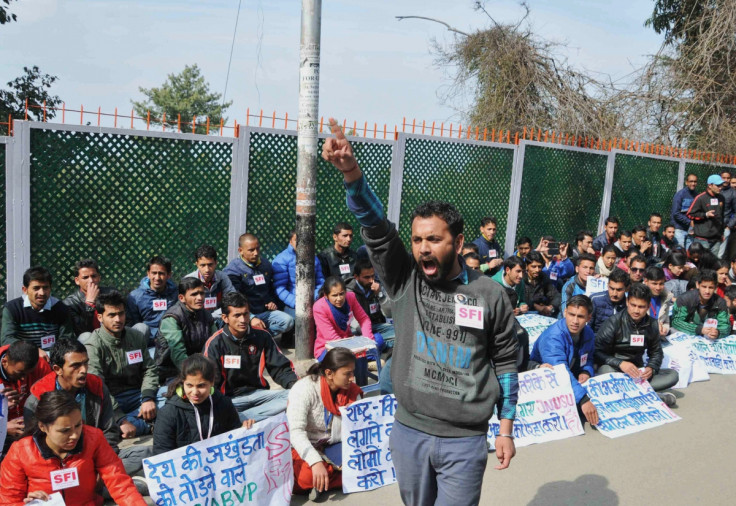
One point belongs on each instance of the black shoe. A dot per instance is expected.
(317, 496)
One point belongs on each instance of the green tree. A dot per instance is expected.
(33, 86)
(5, 16)
(186, 94)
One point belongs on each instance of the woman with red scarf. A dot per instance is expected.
(315, 423)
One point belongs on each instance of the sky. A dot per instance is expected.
(374, 68)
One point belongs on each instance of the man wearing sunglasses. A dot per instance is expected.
(637, 267)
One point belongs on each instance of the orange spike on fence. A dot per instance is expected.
(524, 134)
(516, 138)
(485, 133)
(44, 111)
(208, 125)
(286, 121)
(26, 117)
(396, 133)
(63, 113)
(321, 122)
(222, 125)
(442, 129)
(99, 115)
(384, 130)
(413, 125)
(148, 120)
(403, 125)
(355, 128)
(508, 136)
(432, 129)
(375, 129)
(424, 124)
(477, 133)
(546, 133)
(493, 135)
(365, 128)
(131, 119)
(450, 129)
(116, 117)
(178, 122)
(163, 123)
(460, 131)
(260, 119)
(273, 120)
(344, 123)
(247, 116)
(468, 131)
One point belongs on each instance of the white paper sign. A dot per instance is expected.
(625, 405)
(596, 285)
(210, 302)
(344, 268)
(134, 356)
(239, 467)
(47, 342)
(259, 279)
(468, 316)
(64, 478)
(55, 499)
(160, 305)
(534, 324)
(373, 307)
(683, 359)
(366, 456)
(719, 356)
(546, 409)
(231, 361)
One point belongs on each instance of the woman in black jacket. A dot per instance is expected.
(195, 411)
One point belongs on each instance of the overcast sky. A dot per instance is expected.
(374, 68)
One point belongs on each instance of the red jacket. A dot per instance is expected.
(23, 386)
(29, 462)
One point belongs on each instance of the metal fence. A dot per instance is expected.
(120, 195)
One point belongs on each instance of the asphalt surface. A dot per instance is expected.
(687, 462)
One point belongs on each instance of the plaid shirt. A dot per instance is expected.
(368, 210)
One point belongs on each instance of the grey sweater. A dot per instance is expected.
(444, 375)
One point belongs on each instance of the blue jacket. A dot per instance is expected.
(284, 276)
(140, 304)
(243, 275)
(601, 242)
(561, 270)
(555, 347)
(570, 289)
(485, 251)
(680, 205)
(603, 309)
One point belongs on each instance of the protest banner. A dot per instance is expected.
(534, 324)
(625, 405)
(546, 409)
(719, 356)
(366, 456)
(241, 466)
(596, 285)
(682, 358)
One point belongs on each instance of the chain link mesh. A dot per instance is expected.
(703, 170)
(561, 192)
(3, 237)
(642, 185)
(272, 183)
(121, 199)
(474, 178)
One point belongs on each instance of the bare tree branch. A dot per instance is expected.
(450, 28)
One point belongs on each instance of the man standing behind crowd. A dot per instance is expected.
(678, 215)
(252, 276)
(216, 283)
(653, 235)
(339, 260)
(36, 316)
(81, 303)
(489, 250)
(438, 440)
(608, 236)
(707, 214)
(148, 303)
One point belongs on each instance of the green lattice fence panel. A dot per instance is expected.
(272, 183)
(642, 185)
(475, 178)
(3, 238)
(121, 199)
(561, 192)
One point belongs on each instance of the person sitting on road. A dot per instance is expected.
(557, 266)
(576, 285)
(571, 342)
(612, 301)
(623, 338)
(523, 247)
(511, 278)
(369, 294)
(315, 421)
(284, 276)
(59, 444)
(607, 261)
(339, 259)
(541, 293)
(701, 311)
(583, 244)
(609, 235)
(81, 303)
(216, 283)
(147, 304)
(624, 243)
(662, 300)
(195, 410)
(472, 261)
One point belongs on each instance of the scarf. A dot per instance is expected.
(602, 269)
(340, 314)
(344, 397)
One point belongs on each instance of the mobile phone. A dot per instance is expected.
(553, 248)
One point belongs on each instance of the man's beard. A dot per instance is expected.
(442, 267)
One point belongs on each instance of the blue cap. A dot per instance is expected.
(715, 179)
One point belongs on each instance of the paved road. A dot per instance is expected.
(690, 462)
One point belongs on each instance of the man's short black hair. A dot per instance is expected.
(640, 291)
(488, 219)
(638, 258)
(36, 273)
(654, 273)
(607, 248)
(85, 263)
(708, 275)
(624, 233)
(638, 228)
(339, 227)
(619, 276)
(534, 256)
(233, 299)
(361, 264)
(187, 284)
(730, 292)
(112, 298)
(472, 255)
(471, 246)
(61, 347)
(669, 225)
(159, 260)
(444, 211)
(512, 262)
(205, 251)
(655, 215)
(582, 235)
(524, 240)
(581, 301)
(612, 219)
(24, 352)
(585, 256)
(696, 249)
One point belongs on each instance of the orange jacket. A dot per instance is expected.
(29, 462)
(23, 385)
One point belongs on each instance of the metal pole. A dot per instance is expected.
(306, 174)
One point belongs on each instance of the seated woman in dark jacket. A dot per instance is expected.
(195, 411)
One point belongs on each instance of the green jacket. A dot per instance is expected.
(517, 294)
(685, 316)
(108, 358)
